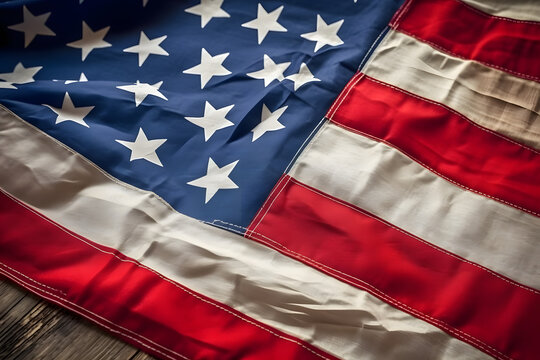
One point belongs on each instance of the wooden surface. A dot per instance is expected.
(31, 329)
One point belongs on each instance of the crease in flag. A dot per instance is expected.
(231, 179)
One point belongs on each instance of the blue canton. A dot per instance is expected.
(204, 103)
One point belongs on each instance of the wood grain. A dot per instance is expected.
(31, 328)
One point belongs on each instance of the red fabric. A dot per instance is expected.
(443, 141)
(497, 315)
(169, 321)
(506, 44)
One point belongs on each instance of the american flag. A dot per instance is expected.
(231, 179)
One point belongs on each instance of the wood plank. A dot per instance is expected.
(141, 356)
(22, 303)
(31, 328)
(9, 296)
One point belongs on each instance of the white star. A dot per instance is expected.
(142, 148)
(20, 74)
(147, 47)
(6, 85)
(265, 22)
(269, 122)
(270, 72)
(142, 90)
(207, 10)
(325, 34)
(69, 112)
(82, 78)
(213, 119)
(302, 77)
(216, 178)
(209, 67)
(90, 40)
(32, 26)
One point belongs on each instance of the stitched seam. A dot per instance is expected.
(312, 143)
(352, 207)
(368, 53)
(397, 16)
(304, 143)
(487, 15)
(365, 213)
(338, 105)
(480, 12)
(436, 172)
(443, 49)
(341, 94)
(166, 279)
(125, 185)
(402, 15)
(48, 287)
(61, 301)
(270, 205)
(87, 161)
(421, 163)
(277, 186)
(459, 333)
(514, 138)
(454, 112)
(168, 205)
(346, 92)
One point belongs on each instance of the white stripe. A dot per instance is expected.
(243, 274)
(513, 9)
(489, 97)
(385, 182)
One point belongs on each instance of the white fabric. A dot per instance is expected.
(385, 182)
(489, 97)
(514, 9)
(224, 266)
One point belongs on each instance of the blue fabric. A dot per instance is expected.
(185, 154)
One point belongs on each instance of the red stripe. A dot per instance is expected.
(120, 294)
(506, 44)
(442, 140)
(480, 307)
